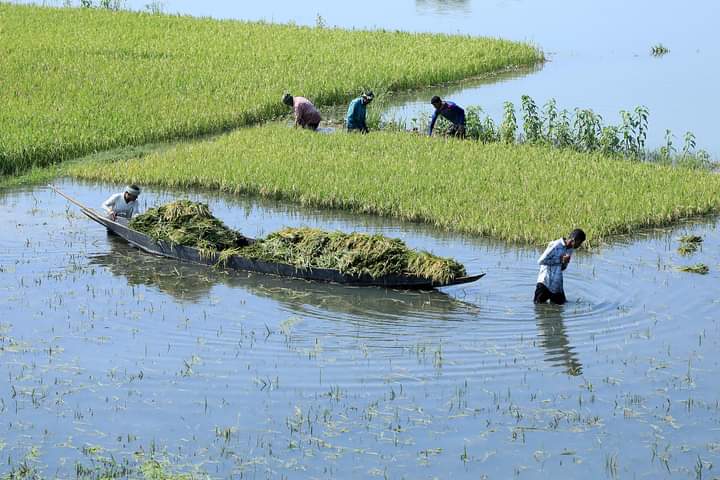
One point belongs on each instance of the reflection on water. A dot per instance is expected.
(443, 7)
(192, 283)
(181, 280)
(554, 339)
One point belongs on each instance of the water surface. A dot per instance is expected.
(112, 356)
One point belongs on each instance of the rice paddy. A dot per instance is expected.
(77, 81)
(118, 364)
(525, 193)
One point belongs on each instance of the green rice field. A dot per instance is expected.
(77, 81)
(120, 364)
(517, 193)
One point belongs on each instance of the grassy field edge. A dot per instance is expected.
(77, 81)
(524, 194)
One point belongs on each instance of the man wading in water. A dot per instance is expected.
(123, 204)
(553, 262)
(306, 115)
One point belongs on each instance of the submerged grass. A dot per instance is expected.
(700, 268)
(691, 239)
(519, 193)
(687, 248)
(76, 81)
(689, 244)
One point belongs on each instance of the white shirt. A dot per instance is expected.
(550, 262)
(116, 203)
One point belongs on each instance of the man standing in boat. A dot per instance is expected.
(451, 112)
(357, 112)
(123, 204)
(553, 262)
(306, 115)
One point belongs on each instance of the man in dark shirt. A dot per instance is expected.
(451, 112)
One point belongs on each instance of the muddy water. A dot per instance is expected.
(110, 356)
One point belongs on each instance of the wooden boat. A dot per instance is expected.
(190, 254)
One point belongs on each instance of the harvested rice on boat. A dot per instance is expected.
(191, 224)
(187, 223)
(353, 254)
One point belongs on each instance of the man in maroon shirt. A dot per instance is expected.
(306, 115)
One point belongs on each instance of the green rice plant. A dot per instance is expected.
(668, 150)
(563, 137)
(588, 130)
(689, 158)
(523, 193)
(508, 127)
(700, 268)
(609, 142)
(81, 80)
(550, 118)
(690, 143)
(641, 115)
(634, 132)
(532, 124)
(479, 127)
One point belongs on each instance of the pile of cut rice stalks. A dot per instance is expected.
(353, 254)
(189, 223)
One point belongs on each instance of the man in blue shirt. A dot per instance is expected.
(357, 111)
(451, 112)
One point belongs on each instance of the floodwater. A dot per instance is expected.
(598, 52)
(110, 356)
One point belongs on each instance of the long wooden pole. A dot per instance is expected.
(69, 198)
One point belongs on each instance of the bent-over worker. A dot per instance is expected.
(123, 204)
(357, 112)
(451, 112)
(306, 115)
(553, 262)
